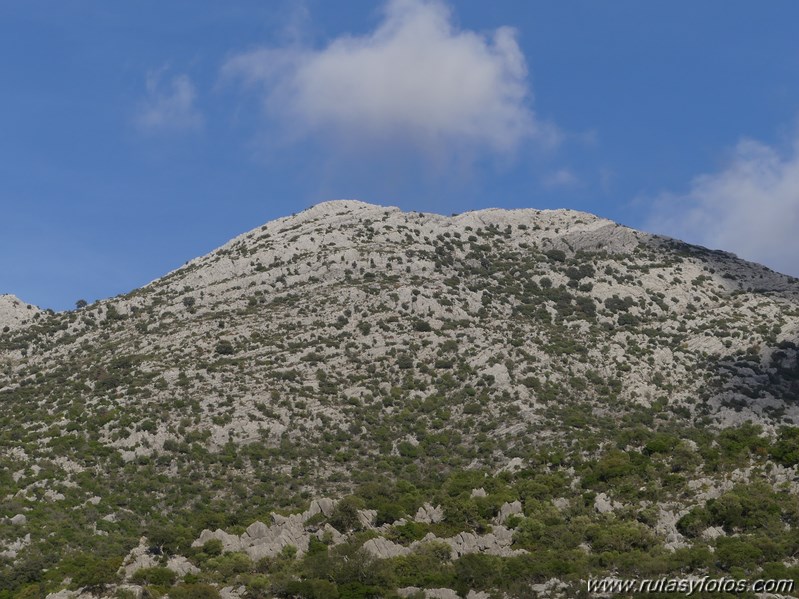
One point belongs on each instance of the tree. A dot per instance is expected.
(81, 303)
(345, 515)
(94, 572)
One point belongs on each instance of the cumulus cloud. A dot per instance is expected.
(169, 105)
(749, 207)
(416, 78)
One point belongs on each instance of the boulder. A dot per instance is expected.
(324, 506)
(508, 509)
(383, 548)
(181, 566)
(257, 530)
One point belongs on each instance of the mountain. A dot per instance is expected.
(544, 394)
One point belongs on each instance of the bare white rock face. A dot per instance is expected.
(15, 313)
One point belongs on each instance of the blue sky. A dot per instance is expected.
(136, 136)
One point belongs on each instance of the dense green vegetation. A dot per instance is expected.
(565, 536)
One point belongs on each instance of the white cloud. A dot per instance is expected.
(750, 207)
(415, 78)
(563, 177)
(169, 105)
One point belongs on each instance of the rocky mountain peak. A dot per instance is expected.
(14, 312)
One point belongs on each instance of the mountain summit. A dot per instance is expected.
(354, 346)
(14, 312)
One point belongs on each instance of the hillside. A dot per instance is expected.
(579, 397)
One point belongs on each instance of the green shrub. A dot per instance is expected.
(224, 348)
(311, 589)
(213, 547)
(157, 575)
(230, 564)
(786, 449)
(737, 552)
(194, 591)
(405, 361)
(422, 326)
(90, 571)
(345, 515)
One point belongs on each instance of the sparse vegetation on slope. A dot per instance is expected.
(635, 395)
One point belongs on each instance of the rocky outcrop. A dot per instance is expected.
(15, 313)
(603, 504)
(382, 548)
(260, 540)
(139, 557)
(497, 542)
(14, 547)
(427, 514)
(508, 509)
(181, 566)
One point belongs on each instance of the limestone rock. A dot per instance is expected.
(713, 532)
(14, 547)
(508, 509)
(229, 542)
(561, 503)
(181, 566)
(324, 506)
(383, 548)
(336, 538)
(139, 557)
(428, 514)
(497, 542)
(667, 526)
(367, 518)
(257, 530)
(15, 313)
(513, 464)
(603, 504)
